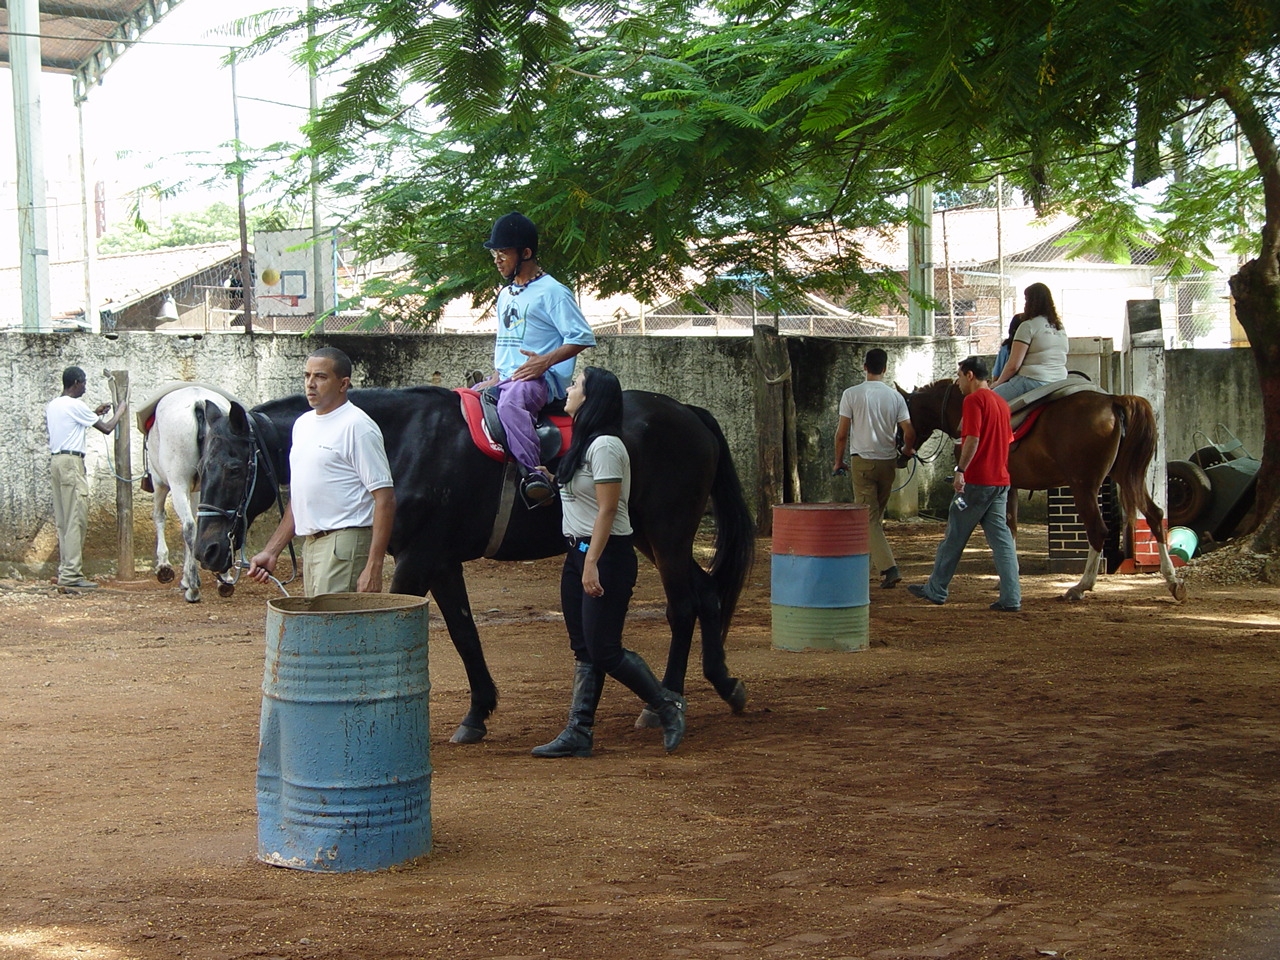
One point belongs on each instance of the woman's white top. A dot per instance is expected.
(1047, 348)
(606, 461)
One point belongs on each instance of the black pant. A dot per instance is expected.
(595, 623)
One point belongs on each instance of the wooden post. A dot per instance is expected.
(124, 483)
(777, 470)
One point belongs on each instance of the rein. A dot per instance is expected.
(953, 433)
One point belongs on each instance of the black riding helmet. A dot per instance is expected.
(514, 230)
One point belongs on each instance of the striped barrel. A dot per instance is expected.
(821, 577)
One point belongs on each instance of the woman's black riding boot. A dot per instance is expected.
(575, 739)
(635, 674)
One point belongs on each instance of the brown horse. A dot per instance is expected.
(1078, 442)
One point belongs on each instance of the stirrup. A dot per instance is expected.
(536, 490)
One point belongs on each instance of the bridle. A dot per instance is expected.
(942, 425)
(952, 432)
(239, 517)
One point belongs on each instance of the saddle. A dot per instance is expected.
(480, 411)
(1025, 409)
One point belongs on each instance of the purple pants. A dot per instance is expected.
(518, 404)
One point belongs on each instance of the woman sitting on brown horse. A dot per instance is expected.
(1038, 351)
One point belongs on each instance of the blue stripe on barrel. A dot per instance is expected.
(821, 581)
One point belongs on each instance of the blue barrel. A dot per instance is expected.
(821, 577)
(344, 756)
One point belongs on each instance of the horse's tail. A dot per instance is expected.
(1137, 447)
(735, 541)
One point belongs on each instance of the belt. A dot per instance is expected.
(582, 543)
(74, 453)
(324, 533)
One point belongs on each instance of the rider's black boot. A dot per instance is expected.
(635, 674)
(575, 739)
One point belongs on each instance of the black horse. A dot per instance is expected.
(448, 494)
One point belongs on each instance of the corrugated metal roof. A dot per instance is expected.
(84, 37)
(120, 280)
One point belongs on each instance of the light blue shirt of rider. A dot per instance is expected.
(539, 317)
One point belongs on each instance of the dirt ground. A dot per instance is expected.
(1085, 780)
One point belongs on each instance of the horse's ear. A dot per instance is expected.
(239, 419)
(208, 412)
(201, 411)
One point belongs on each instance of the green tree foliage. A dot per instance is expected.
(632, 139)
(651, 139)
(1092, 106)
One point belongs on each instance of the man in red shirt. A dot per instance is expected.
(981, 483)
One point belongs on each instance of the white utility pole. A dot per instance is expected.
(33, 228)
(920, 261)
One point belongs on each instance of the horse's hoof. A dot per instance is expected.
(1073, 595)
(191, 597)
(648, 719)
(1179, 591)
(468, 734)
(737, 698)
(226, 589)
(165, 574)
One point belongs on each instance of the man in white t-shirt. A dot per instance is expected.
(68, 417)
(341, 496)
(871, 413)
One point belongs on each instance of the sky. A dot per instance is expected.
(161, 108)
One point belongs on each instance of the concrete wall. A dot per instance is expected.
(1205, 388)
(714, 373)
(823, 369)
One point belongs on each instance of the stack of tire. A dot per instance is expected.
(1190, 492)
(1212, 492)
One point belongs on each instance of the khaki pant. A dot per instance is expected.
(70, 513)
(872, 484)
(333, 562)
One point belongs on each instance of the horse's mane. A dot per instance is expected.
(931, 388)
(298, 401)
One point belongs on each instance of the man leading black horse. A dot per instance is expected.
(541, 331)
(342, 497)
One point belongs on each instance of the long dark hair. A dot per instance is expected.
(1039, 303)
(599, 416)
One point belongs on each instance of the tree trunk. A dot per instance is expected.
(1256, 289)
(777, 443)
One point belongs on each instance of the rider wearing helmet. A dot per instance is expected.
(541, 331)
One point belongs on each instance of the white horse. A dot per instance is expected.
(173, 462)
